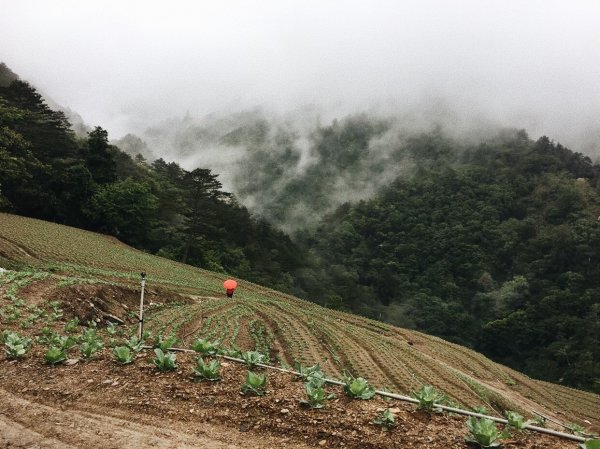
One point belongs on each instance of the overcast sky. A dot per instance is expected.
(127, 64)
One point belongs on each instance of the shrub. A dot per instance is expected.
(255, 383)
(208, 371)
(164, 362)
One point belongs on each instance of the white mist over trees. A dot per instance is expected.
(130, 65)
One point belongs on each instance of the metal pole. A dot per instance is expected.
(141, 316)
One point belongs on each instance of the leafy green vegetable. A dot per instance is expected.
(208, 371)
(315, 395)
(357, 387)
(71, 325)
(252, 358)
(164, 362)
(90, 347)
(311, 374)
(590, 444)
(123, 354)
(255, 383)
(165, 343)
(134, 343)
(16, 346)
(205, 347)
(484, 432)
(427, 397)
(517, 421)
(386, 418)
(55, 355)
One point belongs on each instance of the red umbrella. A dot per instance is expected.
(230, 284)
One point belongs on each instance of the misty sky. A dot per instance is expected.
(125, 65)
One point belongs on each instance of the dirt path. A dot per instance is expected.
(26, 424)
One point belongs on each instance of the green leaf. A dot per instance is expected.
(255, 383)
(55, 355)
(164, 362)
(208, 371)
(123, 354)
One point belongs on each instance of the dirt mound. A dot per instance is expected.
(105, 303)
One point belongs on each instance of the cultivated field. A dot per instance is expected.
(287, 330)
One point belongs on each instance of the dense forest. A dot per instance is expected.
(492, 244)
(47, 172)
(495, 246)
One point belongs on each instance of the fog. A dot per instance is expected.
(129, 65)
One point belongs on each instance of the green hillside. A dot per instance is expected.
(287, 329)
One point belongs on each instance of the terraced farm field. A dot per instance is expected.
(286, 329)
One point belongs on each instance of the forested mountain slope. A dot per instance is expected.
(491, 242)
(495, 246)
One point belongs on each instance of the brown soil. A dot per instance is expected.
(100, 403)
(84, 404)
(104, 302)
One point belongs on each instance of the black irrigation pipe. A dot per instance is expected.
(400, 397)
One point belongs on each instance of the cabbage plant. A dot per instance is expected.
(255, 383)
(205, 347)
(358, 387)
(427, 397)
(164, 362)
(90, 347)
(55, 355)
(310, 374)
(386, 419)
(208, 371)
(165, 344)
(484, 432)
(252, 358)
(590, 444)
(517, 421)
(16, 346)
(123, 354)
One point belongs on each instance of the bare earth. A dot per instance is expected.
(103, 404)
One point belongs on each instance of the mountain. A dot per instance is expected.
(488, 239)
